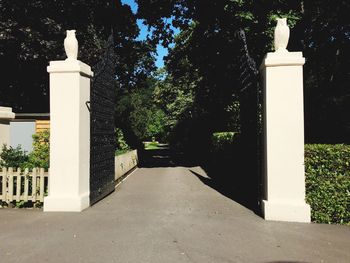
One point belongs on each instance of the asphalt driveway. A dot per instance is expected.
(165, 215)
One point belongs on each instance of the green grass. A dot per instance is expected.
(119, 152)
(151, 146)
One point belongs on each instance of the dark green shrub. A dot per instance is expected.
(222, 142)
(13, 157)
(327, 170)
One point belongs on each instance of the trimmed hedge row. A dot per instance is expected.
(327, 176)
(327, 171)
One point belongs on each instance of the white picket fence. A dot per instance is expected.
(17, 185)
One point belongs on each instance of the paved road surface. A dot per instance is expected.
(165, 215)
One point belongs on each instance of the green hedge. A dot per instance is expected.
(327, 170)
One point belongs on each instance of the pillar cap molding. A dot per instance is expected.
(275, 59)
(6, 113)
(70, 66)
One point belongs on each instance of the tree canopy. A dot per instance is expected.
(205, 52)
(197, 92)
(32, 34)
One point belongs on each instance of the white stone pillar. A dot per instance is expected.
(284, 138)
(6, 115)
(69, 187)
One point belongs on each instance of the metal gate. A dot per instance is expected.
(250, 98)
(102, 135)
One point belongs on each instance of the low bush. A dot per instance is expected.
(327, 169)
(13, 157)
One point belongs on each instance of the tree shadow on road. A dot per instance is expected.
(240, 187)
(164, 157)
(231, 174)
(236, 174)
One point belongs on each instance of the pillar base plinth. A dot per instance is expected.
(286, 211)
(54, 203)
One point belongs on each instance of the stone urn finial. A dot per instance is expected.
(71, 45)
(281, 35)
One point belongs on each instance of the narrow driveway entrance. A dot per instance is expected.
(165, 215)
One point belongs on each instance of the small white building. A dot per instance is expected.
(6, 115)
